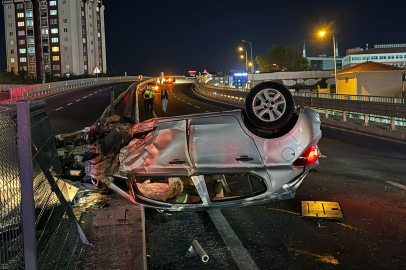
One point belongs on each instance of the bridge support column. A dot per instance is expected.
(344, 117)
(366, 120)
(392, 124)
(325, 113)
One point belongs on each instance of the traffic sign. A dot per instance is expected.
(96, 70)
(139, 77)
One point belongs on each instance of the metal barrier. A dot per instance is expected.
(56, 242)
(61, 86)
(372, 108)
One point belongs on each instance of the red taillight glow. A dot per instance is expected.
(307, 158)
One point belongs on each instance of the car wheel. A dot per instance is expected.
(269, 105)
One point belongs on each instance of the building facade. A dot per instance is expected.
(58, 37)
(389, 54)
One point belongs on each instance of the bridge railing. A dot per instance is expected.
(61, 86)
(387, 110)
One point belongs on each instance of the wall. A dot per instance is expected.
(387, 83)
(349, 87)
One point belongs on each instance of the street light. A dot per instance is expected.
(322, 34)
(253, 65)
(242, 57)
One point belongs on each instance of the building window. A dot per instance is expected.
(91, 51)
(8, 6)
(12, 60)
(31, 50)
(10, 24)
(23, 50)
(63, 2)
(91, 25)
(20, 24)
(54, 30)
(10, 16)
(67, 57)
(66, 66)
(99, 43)
(30, 23)
(12, 52)
(55, 58)
(43, 3)
(11, 34)
(56, 67)
(23, 59)
(65, 20)
(398, 56)
(84, 40)
(81, 4)
(382, 57)
(83, 13)
(83, 31)
(84, 49)
(54, 40)
(20, 6)
(84, 58)
(101, 61)
(63, 11)
(20, 15)
(66, 49)
(30, 32)
(52, 3)
(85, 67)
(90, 16)
(44, 31)
(31, 41)
(21, 42)
(374, 57)
(29, 14)
(54, 21)
(24, 67)
(11, 42)
(98, 17)
(83, 22)
(65, 30)
(391, 57)
(91, 42)
(90, 7)
(97, 8)
(65, 39)
(32, 58)
(53, 12)
(98, 26)
(32, 67)
(21, 33)
(98, 34)
(55, 49)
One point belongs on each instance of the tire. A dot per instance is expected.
(269, 106)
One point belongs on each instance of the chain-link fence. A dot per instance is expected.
(58, 241)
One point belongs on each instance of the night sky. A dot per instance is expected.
(146, 37)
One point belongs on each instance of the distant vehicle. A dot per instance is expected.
(166, 80)
(211, 160)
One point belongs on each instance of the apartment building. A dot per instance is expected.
(389, 54)
(59, 37)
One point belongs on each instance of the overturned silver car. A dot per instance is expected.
(202, 161)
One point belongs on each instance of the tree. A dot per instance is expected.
(281, 58)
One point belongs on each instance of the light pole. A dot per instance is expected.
(253, 65)
(242, 56)
(322, 34)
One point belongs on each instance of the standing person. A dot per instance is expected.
(164, 99)
(149, 96)
(145, 99)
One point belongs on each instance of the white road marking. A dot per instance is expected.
(197, 107)
(190, 103)
(396, 185)
(240, 255)
(323, 156)
(183, 101)
(78, 99)
(70, 104)
(90, 95)
(58, 108)
(207, 111)
(84, 97)
(154, 114)
(96, 92)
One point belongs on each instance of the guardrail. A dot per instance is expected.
(61, 86)
(367, 108)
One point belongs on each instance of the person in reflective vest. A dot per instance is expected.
(164, 99)
(145, 100)
(149, 95)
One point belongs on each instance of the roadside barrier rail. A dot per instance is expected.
(367, 108)
(61, 86)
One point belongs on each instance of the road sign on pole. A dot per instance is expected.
(139, 77)
(96, 71)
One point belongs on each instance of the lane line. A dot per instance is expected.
(183, 101)
(190, 103)
(84, 97)
(323, 156)
(78, 99)
(197, 107)
(90, 95)
(95, 92)
(58, 108)
(396, 184)
(240, 255)
(70, 104)
(207, 111)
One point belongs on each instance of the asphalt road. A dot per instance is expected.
(75, 110)
(353, 171)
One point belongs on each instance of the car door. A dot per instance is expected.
(163, 152)
(218, 144)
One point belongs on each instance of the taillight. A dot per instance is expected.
(307, 158)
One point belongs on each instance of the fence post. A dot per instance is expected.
(345, 116)
(326, 113)
(112, 104)
(27, 192)
(392, 124)
(366, 120)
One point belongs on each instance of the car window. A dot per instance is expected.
(177, 190)
(233, 186)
